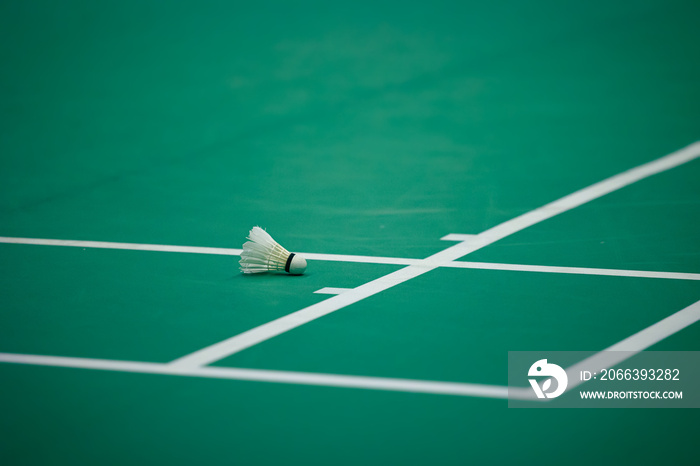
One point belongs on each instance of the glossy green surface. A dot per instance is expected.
(366, 128)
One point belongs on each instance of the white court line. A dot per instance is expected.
(573, 270)
(358, 259)
(573, 200)
(636, 343)
(446, 257)
(259, 375)
(128, 246)
(291, 321)
(631, 345)
(467, 245)
(198, 250)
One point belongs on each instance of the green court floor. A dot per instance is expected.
(361, 134)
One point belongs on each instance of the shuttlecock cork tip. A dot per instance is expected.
(297, 264)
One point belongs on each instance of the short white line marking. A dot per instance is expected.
(284, 324)
(329, 290)
(258, 375)
(458, 237)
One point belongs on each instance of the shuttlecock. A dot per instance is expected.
(263, 254)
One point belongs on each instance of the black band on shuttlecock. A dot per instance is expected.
(289, 262)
